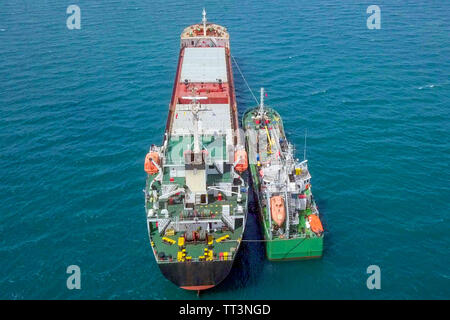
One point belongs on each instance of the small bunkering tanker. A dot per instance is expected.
(197, 183)
(288, 213)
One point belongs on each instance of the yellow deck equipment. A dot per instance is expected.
(225, 237)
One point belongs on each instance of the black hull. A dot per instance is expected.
(196, 275)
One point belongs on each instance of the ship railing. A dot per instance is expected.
(195, 219)
(230, 258)
(171, 162)
(298, 235)
(314, 210)
(303, 235)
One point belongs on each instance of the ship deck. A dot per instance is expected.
(210, 212)
(197, 249)
(252, 130)
(177, 145)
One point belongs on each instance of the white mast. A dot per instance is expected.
(195, 110)
(195, 107)
(261, 104)
(204, 21)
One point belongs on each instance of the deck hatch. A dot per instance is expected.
(204, 65)
(214, 120)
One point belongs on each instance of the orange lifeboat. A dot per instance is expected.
(149, 166)
(277, 210)
(240, 156)
(316, 225)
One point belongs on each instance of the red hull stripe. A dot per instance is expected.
(197, 288)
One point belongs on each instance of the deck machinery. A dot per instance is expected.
(196, 188)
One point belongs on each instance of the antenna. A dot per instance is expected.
(304, 150)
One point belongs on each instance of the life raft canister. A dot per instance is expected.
(149, 166)
(316, 225)
(240, 156)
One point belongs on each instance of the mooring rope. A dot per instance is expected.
(245, 80)
(245, 240)
(255, 240)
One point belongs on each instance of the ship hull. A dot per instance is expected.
(196, 191)
(196, 275)
(294, 249)
(282, 249)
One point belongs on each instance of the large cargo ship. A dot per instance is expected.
(196, 189)
(288, 213)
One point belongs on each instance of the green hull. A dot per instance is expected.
(294, 249)
(305, 244)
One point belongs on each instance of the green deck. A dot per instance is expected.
(179, 144)
(195, 250)
(213, 210)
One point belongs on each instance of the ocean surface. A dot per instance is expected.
(80, 108)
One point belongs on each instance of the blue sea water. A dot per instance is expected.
(79, 109)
